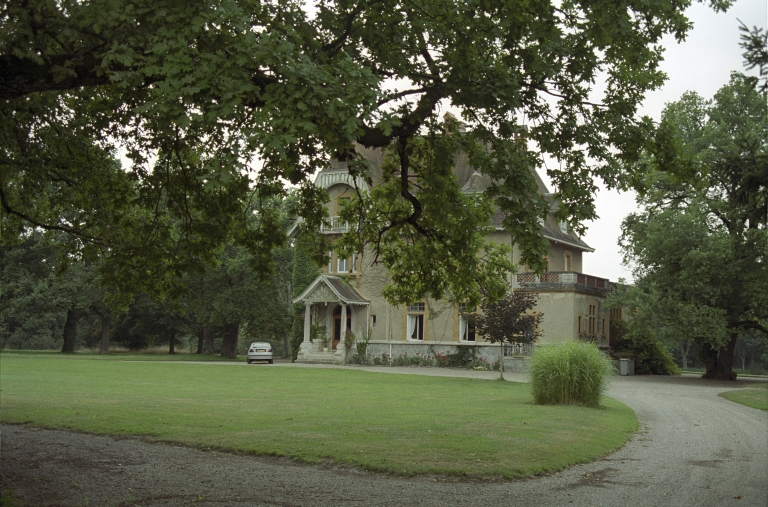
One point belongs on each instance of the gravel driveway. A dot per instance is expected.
(694, 449)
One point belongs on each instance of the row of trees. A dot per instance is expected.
(47, 297)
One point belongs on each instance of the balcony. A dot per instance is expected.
(562, 281)
(601, 341)
(334, 226)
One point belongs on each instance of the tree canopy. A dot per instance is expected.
(699, 247)
(511, 319)
(220, 105)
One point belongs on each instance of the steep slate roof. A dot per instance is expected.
(471, 181)
(329, 289)
(475, 184)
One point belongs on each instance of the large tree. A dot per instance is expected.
(46, 293)
(200, 93)
(699, 247)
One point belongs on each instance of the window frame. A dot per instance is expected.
(416, 313)
(470, 331)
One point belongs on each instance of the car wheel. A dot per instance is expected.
(271, 361)
(249, 361)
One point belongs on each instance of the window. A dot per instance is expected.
(416, 321)
(341, 202)
(343, 265)
(330, 262)
(373, 321)
(579, 324)
(568, 261)
(354, 263)
(466, 325)
(592, 320)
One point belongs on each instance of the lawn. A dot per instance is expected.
(755, 396)
(405, 424)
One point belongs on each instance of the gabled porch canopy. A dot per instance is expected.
(331, 289)
(324, 297)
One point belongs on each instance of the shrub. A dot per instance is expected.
(417, 359)
(464, 355)
(362, 345)
(382, 360)
(479, 364)
(641, 344)
(574, 372)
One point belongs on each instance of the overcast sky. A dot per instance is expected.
(703, 63)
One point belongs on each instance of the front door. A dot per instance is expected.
(337, 329)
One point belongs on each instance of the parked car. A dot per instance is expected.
(260, 351)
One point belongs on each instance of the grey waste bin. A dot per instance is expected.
(627, 366)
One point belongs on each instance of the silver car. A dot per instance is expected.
(260, 351)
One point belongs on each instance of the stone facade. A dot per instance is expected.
(348, 296)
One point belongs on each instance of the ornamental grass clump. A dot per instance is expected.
(574, 372)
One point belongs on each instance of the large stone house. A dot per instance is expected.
(348, 292)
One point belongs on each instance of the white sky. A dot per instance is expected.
(703, 63)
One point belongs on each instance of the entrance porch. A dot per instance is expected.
(331, 308)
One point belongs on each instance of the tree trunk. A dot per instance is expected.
(172, 346)
(287, 344)
(206, 335)
(70, 331)
(501, 360)
(104, 344)
(229, 344)
(719, 363)
(207, 341)
(200, 340)
(685, 348)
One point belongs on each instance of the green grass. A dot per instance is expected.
(755, 396)
(404, 424)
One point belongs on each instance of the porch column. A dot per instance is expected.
(307, 320)
(341, 351)
(343, 323)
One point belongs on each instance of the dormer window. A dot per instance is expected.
(564, 226)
